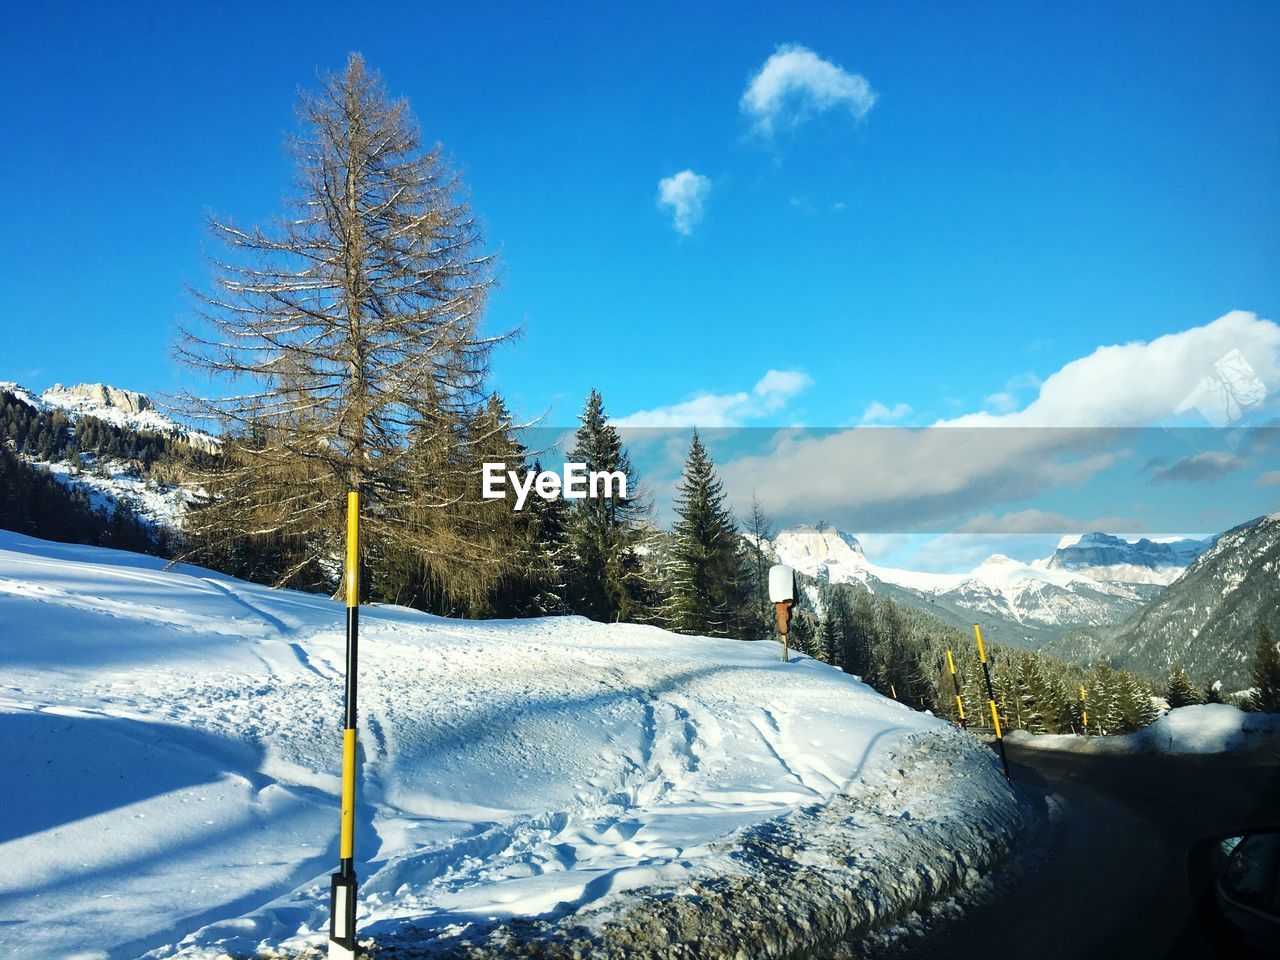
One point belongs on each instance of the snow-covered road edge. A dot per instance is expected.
(792, 887)
(1206, 729)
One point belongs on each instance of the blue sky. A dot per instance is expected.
(992, 193)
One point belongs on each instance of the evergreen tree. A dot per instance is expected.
(1135, 708)
(1179, 691)
(857, 634)
(1266, 674)
(1213, 692)
(606, 581)
(803, 636)
(828, 647)
(709, 580)
(1103, 699)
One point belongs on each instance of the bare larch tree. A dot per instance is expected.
(346, 340)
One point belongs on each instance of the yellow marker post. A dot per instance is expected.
(991, 700)
(1084, 708)
(955, 682)
(893, 690)
(342, 890)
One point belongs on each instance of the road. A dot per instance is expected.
(1109, 876)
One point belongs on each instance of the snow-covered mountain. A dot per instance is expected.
(1102, 556)
(120, 408)
(107, 478)
(1021, 603)
(174, 741)
(1207, 620)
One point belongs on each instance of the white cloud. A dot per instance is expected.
(795, 83)
(1143, 384)
(710, 410)
(685, 194)
(878, 412)
(903, 480)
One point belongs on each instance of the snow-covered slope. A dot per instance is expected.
(108, 482)
(1102, 556)
(172, 737)
(1033, 597)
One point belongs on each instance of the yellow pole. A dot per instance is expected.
(1084, 708)
(955, 682)
(342, 891)
(991, 699)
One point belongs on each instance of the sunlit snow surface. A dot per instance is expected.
(171, 744)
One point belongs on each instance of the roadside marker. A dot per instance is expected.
(955, 682)
(894, 691)
(782, 591)
(1084, 709)
(342, 890)
(991, 699)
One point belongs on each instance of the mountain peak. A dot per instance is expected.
(1000, 559)
(811, 549)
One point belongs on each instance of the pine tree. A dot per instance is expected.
(1103, 699)
(344, 333)
(1179, 691)
(803, 636)
(1135, 708)
(828, 647)
(709, 581)
(606, 580)
(857, 634)
(1266, 674)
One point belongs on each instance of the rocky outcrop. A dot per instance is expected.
(97, 395)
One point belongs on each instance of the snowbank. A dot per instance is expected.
(169, 777)
(1206, 728)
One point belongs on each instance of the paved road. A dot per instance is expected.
(1113, 880)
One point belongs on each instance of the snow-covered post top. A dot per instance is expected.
(782, 583)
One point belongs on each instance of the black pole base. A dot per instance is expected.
(342, 916)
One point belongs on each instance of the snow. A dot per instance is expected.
(170, 774)
(999, 586)
(1144, 560)
(107, 482)
(810, 549)
(23, 394)
(108, 403)
(1203, 729)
